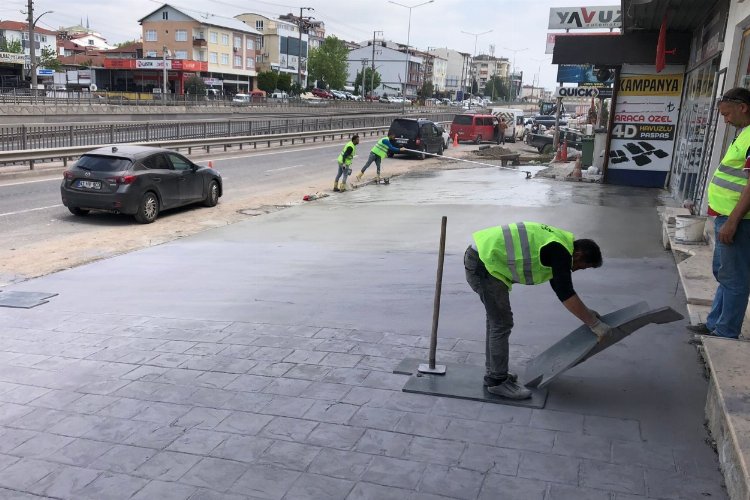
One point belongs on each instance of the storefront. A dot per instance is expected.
(11, 69)
(145, 75)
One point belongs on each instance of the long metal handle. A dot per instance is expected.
(438, 288)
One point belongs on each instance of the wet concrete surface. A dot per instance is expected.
(364, 262)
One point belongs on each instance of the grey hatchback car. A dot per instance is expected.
(137, 180)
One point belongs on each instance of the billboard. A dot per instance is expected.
(578, 73)
(569, 18)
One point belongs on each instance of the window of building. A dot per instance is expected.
(237, 61)
(91, 42)
(180, 36)
(250, 63)
(151, 35)
(259, 25)
(165, 15)
(224, 39)
(151, 53)
(259, 58)
(237, 42)
(180, 54)
(213, 37)
(213, 57)
(249, 44)
(225, 59)
(43, 38)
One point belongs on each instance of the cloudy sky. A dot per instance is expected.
(517, 25)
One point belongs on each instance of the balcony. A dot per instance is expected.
(199, 42)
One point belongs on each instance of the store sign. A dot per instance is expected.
(563, 92)
(579, 73)
(153, 64)
(156, 64)
(11, 58)
(566, 18)
(605, 91)
(550, 48)
(45, 72)
(645, 121)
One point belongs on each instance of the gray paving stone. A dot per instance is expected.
(673, 485)
(383, 443)
(378, 363)
(647, 455)
(7, 460)
(265, 481)
(340, 464)
(314, 487)
(568, 492)
(167, 465)
(39, 419)
(202, 418)
(415, 403)
(497, 487)
(76, 425)
(161, 413)
(482, 458)
(332, 413)
(368, 491)
(582, 446)
(55, 399)
(122, 458)
(381, 380)
(553, 468)
(90, 403)
(456, 408)
(165, 491)
(614, 477)
(270, 368)
(342, 437)
(289, 455)
(214, 473)
(157, 436)
(526, 438)
(363, 396)
(376, 418)
(289, 429)
(246, 423)
(248, 401)
(341, 360)
(179, 376)
(10, 412)
(287, 387)
(125, 408)
(307, 357)
(434, 451)
(114, 430)
(41, 445)
(203, 494)
(198, 441)
(271, 353)
(205, 348)
(80, 452)
(451, 481)
(472, 431)
(65, 482)
(557, 420)
(286, 406)
(242, 448)
(350, 376)
(146, 373)
(249, 383)
(501, 414)
(622, 429)
(21, 475)
(423, 425)
(690, 463)
(308, 372)
(210, 397)
(394, 472)
(326, 391)
(335, 346)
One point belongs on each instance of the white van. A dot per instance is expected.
(241, 99)
(514, 119)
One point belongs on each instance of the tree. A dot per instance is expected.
(126, 42)
(12, 46)
(372, 80)
(496, 88)
(296, 89)
(195, 86)
(427, 90)
(474, 86)
(328, 62)
(267, 81)
(49, 59)
(284, 82)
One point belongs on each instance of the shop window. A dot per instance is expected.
(151, 36)
(180, 36)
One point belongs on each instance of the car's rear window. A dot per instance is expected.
(99, 163)
(404, 128)
(462, 119)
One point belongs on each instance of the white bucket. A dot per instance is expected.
(689, 228)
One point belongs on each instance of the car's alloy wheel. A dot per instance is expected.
(148, 209)
(212, 198)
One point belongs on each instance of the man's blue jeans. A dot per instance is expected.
(731, 268)
(372, 158)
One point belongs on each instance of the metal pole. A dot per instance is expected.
(431, 367)
(556, 141)
(32, 47)
(164, 74)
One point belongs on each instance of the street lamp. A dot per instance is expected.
(32, 45)
(474, 55)
(514, 65)
(538, 74)
(408, 35)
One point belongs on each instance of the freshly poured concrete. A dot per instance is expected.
(284, 330)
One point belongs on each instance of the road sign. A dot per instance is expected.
(564, 92)
(45, 72)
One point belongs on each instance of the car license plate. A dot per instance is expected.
(88, 184)
(401, 141)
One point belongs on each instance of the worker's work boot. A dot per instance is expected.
(336, 187)
(342, 187)
(359, 176)
(510, 390)
(700, 329)
(377, 177)
(490, 381)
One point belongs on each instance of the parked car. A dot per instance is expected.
(549, 120)
(322, 93)
(241, 99)
(445, 135)
(475, 127)
(137, 180)
(279, 95)
(337, 94)
(544, 142)
(417, 134)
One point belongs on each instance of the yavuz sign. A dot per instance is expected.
(567, 18)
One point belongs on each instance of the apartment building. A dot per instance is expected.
(484, 67)
(282, 51)
(457, 70)
(15, 67)
(222, 50)
(390, 64)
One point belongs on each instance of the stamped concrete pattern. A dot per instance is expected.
(255, 362)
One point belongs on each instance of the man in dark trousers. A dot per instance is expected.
(377, 153)
(528, 253)
(345, 163)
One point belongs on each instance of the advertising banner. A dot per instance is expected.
(578, 73)
(566, 18)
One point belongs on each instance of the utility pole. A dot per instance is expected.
(362, 80)
(474, 56)
(372, 70)
(164, 74)
(301, 22)
(32, 47)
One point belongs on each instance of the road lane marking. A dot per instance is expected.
(276, 152)
(283, 168)
(30, 210)
(58, 179)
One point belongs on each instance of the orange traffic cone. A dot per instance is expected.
(564, 154)
(455, 140)
(558, 153)
(210, 164)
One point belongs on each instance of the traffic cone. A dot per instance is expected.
(210, 164)
(455, 140)
(564, 154)
(558, 153)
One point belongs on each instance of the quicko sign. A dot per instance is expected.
(564, 92)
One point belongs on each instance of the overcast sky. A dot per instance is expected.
(520, 25)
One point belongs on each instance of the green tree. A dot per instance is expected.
(195, 86)
(12, 46)
(49, 59)
(328, 62)
(372, 80)
(296, 89)
(284, 82)
(427, 90)
(126, 42)
(496, 88)
(474, 86)
(267, 81)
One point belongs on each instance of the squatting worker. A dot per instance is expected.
(378, 152)
(345, 163)
(528, 253)
(729, 202)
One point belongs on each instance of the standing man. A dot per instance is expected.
(378, 152)
(345, 163)
(528, 253)
(729, 202)
(501, 128)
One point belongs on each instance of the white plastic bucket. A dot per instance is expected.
(689, 228)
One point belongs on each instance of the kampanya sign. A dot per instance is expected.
(651, 85)
(565, 18)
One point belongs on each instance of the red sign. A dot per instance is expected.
(174, 64)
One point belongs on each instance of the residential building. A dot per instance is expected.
(281, 50)
(13, 70)
(316, 30)
(457, 70)
(221, 49)
(390, 64)
(484, 67)
(438, 72)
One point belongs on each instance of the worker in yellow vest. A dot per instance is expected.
(729, 202)
(345, 163)
(528, 253)
(378, 152)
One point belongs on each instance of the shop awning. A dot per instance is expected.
(608, 50)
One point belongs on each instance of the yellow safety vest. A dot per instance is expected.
(730, 178)
(380, 148)
(512, 253)
(349, 158)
